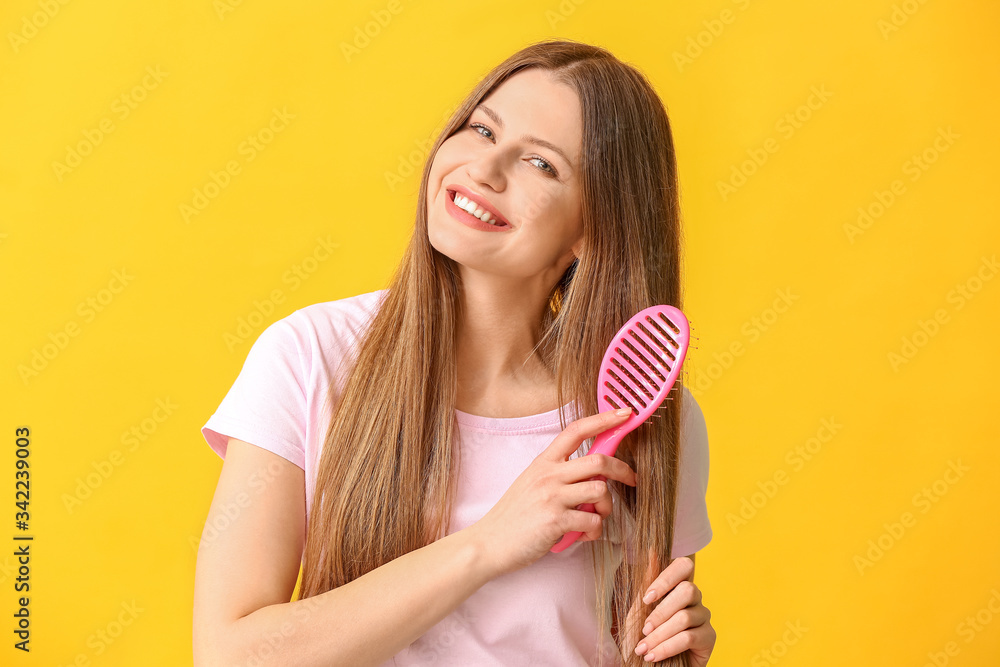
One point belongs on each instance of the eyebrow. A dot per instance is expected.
(525, 137)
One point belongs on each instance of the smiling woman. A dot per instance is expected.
(424, 443)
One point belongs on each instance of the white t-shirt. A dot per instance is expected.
(543, 614)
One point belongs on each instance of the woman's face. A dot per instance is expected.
(532, 188)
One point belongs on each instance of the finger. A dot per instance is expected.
(570, 439)
(674, 645)
(589, 492)
(588, 523)
(591, 465)
(678, 570)
(603, 507)
(690, 618)
(682, 601)
(603, 504)
(594, 497)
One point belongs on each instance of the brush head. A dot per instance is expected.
(642, 363)
(639, 369)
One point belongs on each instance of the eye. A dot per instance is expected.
(548, 168)
(478, 126)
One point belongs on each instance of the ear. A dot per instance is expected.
(577, 248)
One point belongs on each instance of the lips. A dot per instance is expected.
(480, 201)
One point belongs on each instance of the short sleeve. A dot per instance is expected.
(266, 405)
(692, 528)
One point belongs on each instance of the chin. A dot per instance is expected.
(447, 246)
(454, 250)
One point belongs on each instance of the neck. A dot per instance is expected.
(499, 330)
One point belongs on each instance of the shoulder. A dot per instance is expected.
(351, 311)
(329, 324)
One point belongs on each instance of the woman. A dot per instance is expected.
(414, 447)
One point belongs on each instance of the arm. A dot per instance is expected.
(246, 574)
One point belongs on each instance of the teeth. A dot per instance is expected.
(471, 207)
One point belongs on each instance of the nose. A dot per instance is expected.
(489, 168)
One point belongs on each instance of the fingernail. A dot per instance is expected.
(650, 596)
(649, 628)
(622, 412)
(640, 649)
(649, 657)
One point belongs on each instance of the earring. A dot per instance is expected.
(555, 303)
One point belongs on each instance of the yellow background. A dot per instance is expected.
(892, 75)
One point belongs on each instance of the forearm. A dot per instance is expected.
(370, 619)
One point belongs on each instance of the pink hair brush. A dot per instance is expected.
(639, 369)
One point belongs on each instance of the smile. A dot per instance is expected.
(460, 211)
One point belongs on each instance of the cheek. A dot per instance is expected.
(447, 156)
(533, 208)
(559, 218)
(551, 205)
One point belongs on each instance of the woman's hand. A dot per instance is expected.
(680, 621)
(540, 506)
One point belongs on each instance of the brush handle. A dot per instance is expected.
(604, 443)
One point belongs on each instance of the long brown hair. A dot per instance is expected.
(384, 485)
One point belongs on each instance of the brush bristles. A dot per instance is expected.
(634, 375)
